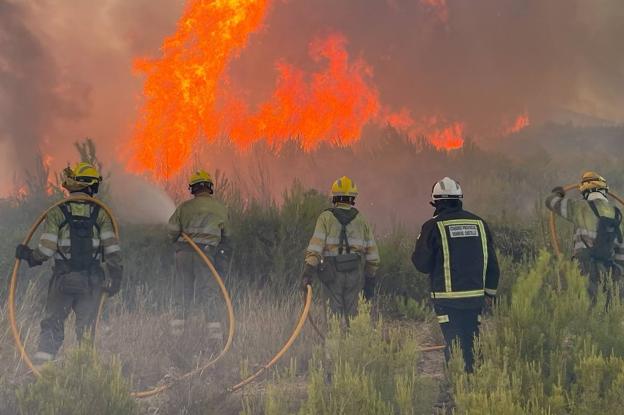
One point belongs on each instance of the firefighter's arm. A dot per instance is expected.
(493, 271)
(558, 203)
(110, 247)
(423, 257)
(48, 242)
(314, 251)
(174, 227)
(371, 254)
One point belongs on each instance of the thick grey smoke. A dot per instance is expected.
(32, 93)
(66, 68)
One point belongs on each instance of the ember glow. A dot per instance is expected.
(521, 122)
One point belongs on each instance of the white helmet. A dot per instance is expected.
(446, 188)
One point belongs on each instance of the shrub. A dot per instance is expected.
(79, 385)
(549, 350)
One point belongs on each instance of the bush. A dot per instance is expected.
(549, 350)
(79, 385)
(366, 369)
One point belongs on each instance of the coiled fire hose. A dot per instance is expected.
(553, 223)
(13, 281)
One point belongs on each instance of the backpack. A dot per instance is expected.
(83, 255)
(607, 233)
(345, 262)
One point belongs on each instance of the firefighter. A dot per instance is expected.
(204, 219)
(80, 237)
(598, 243)
(455, 248)
(342, 252)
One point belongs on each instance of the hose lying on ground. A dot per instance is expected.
(552, 223)
(13, 281)
(287, 345)
(231, 322)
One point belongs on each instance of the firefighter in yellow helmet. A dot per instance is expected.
(342, 252)
(598, 241)
(205, 220)
(80, 237)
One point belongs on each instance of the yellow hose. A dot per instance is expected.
(228, 302)
(287, 345)
(553, 223)
(13, 282)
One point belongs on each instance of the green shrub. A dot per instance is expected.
(79, 385)
(548, 350)
(367, 369)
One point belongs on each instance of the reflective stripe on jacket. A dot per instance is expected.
(56, 242)
(203, 218)
(585, 221)
(456, 249)
(326, 240)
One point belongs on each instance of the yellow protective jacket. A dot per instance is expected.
(585, 221)
(203, 218)
(324, 243)
(55, 242)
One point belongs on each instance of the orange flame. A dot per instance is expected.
(332, 106)
(187, 96)
(182, 86)
(521, 122)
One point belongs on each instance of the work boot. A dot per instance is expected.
(176, 328)
(41, 358)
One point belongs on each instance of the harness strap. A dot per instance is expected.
(344, 221)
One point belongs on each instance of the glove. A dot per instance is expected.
(308, 276)
(559, 191)
(23, 252)
(112, 286)
(369, 287)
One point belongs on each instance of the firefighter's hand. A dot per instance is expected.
(23, 252)
(369, 288)
(112, 286)
(559, 191)
(308, 275)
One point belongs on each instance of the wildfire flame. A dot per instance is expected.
(521, 122)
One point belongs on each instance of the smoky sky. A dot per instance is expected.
(66, 66)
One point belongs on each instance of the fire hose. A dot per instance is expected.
(140, 394)
(553, 223)
(13, 281)
(231, 320)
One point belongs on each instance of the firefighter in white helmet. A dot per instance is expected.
(342, 252)
(205, 219)
(455, 248)
(598, 234)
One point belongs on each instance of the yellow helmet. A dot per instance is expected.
(344, 186)
(82, 176)
(200, 176)
(86, 173)
(592, 181)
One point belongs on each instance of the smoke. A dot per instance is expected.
(66, 68)
(33, 95)
(138, 201)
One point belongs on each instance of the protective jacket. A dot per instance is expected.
(56, 240)
(203, 218)
(580, 213)
(325, 242)
(456, 249)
